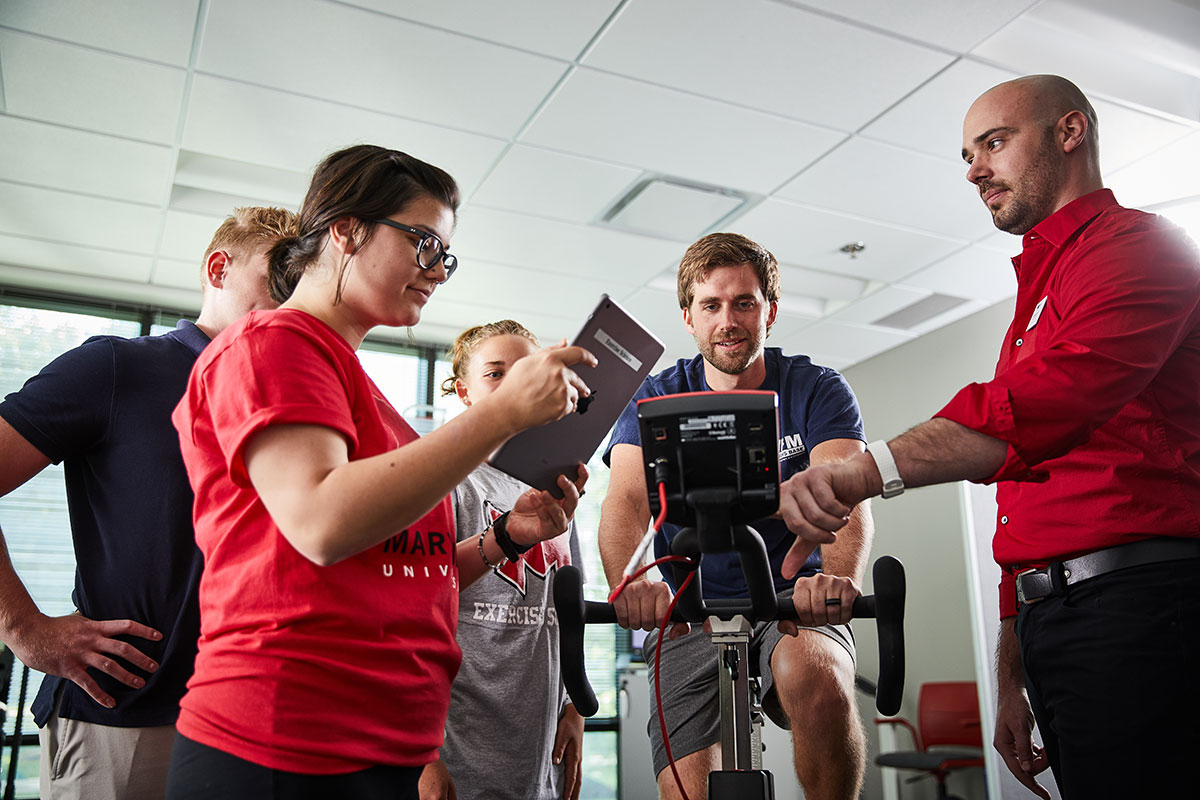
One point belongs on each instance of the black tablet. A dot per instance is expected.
(625, 353)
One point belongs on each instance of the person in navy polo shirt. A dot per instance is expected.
(1091, 430)
(728, 291)
(117, 668)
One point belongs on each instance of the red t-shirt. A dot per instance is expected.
(1097, 390)
(305, 668)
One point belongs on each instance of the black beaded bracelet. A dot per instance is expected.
(511, 549)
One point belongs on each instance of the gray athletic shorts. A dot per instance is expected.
(691, 695)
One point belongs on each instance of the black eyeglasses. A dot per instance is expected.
(429, 249)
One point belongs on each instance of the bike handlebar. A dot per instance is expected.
(886, 606)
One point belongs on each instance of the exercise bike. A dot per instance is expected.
(710, 460)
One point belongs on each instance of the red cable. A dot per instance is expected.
(662, 719)
(658, 523)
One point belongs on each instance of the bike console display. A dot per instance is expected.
(702, 442)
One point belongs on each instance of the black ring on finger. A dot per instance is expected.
(833, 601)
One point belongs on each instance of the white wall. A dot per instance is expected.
(924, 527)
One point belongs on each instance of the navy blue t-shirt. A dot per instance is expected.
(104, 410)
(815, 405)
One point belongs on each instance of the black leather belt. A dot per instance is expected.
(1034, 585)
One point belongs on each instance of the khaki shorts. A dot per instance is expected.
(86, 761)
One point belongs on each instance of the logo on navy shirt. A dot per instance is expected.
(791, 446)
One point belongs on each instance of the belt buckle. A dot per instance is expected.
(1046, 584)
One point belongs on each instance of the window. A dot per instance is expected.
(34, 516)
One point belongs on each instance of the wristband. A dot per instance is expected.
(511, 549)
(483, 555)
(892, 484)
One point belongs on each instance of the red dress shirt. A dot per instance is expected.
(1097, 390)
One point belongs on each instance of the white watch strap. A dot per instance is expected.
(892, 484)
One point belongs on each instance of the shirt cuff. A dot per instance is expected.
(1008, 594)
(987, 408)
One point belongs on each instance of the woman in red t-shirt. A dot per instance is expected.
(330, 590)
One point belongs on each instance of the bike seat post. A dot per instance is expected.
(738, 746)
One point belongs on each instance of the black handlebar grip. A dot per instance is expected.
(888, 576)
(569, 606)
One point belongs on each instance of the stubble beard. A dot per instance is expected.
(1032, 197)
(731, 363)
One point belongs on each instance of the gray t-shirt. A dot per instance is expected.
(508, 696)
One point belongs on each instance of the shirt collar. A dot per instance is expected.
(190, 336)
(1062, 224)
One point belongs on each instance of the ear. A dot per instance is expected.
(342, 235)
(460, 389)
(772, 310)
(1072, 128)
(215, 268)
(687, 321)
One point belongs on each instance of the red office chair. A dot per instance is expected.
(948, 714)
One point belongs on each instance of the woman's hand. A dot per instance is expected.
(542, 387)
(538, 515)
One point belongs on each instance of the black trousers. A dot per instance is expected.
(200, 772)
(1113, 673)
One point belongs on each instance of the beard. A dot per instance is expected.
(1032, 197)
(732, 362)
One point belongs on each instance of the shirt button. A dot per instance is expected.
(1020, 342)
(1004, 520)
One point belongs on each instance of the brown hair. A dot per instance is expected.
(726, 250)
(365, 182)
(249, 229)
(465, 343)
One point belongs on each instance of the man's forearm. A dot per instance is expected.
(16, 604)
(848, 556)
(1009, 672)
(617, 537)
(943, 451)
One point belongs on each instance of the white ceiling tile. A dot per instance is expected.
(562, 28)
(89, 163)
(861, 71)
(1035, 46)
(893, 185)
(1169, 174)
(1008, 244)
(276, 129)
(877, 305)
(67, 262)
(443, 321)
(930, 120)
(543, 183)
(511, 288)
(679, 134)
(954, 24)
(975, 272)
(376, 62)
(811, 283)
(150, 29)
(76, 219)
(623, 260)
(179, 274)
(813, 238)
(70, 85)
(1127, 135)
(842, 341)
(228, 178)
(186, 235)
